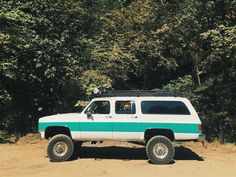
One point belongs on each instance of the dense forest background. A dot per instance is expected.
(54, 52)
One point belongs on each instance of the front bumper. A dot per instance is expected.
(201, 138)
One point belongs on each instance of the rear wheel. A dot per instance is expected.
(160, 150)
(60, 148)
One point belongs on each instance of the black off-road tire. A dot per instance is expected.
(153, 146)
(66, 141)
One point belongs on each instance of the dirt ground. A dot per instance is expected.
(116, 159)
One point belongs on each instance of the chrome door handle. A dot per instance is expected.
(134, 117)
(108, 117)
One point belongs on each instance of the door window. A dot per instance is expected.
(99, 107)
(125, 107)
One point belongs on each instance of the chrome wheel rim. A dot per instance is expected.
(160, 150)
(60, 149)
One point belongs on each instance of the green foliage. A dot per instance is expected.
(220, 73)
(94, 79)
(184, 85)
(53, 53)
(4, 96)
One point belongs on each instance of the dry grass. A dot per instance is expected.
(215, 146)
(31, 138)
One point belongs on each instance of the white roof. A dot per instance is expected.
(140, 98)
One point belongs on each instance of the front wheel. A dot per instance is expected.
(60, 148)
(160, 150)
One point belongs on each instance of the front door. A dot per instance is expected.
(96, 122)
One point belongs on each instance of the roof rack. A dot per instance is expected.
(136, 93)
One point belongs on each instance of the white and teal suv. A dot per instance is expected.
(154, 119)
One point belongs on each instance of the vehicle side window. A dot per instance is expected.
(125, 107)
(99, 107)
(164, 107)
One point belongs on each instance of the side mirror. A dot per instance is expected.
(89, 114)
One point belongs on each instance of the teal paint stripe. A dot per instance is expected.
(122, 126)
(74, 126)
(141, 127)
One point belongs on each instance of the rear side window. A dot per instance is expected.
(164, 107)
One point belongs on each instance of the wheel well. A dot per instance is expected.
(154, 132)
(54, 130)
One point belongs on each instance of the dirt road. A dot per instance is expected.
(117, 159)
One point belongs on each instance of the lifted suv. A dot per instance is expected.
(153, 118)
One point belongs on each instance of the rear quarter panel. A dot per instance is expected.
(184, 127)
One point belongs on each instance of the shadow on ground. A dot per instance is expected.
(183, 153)
(128, 153)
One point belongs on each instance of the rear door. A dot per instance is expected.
(125, 119)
